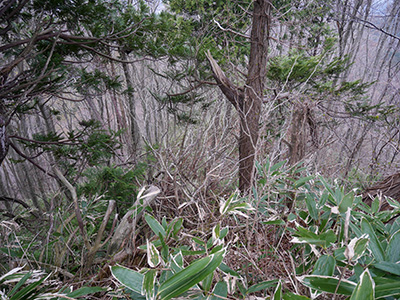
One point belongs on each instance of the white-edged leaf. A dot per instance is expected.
(356, 248)
(190, 276)
(153, 255)
(177, 262)
(325, 265)
(365, 289)
(328, 284)
(131, 279)
(148, 287)
(393, 203)
(374, 244)
(393, 248)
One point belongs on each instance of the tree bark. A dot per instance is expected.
(4, 142)
(134, 128)
(254, 90)
(248, 99)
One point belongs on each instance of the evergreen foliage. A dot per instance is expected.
(113, 183)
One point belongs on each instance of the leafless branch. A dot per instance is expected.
(78, 215)
(371, 25)
(30, 160)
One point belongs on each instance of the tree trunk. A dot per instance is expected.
(248, 99)
(134, 128)
(254, 90)
(4, 143)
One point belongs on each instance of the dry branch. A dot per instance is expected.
(232, 92)
(78, 215)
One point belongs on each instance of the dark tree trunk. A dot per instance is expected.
(4, 143)
(248, 100)
(254, 91)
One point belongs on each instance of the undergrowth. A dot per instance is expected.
(295, 236)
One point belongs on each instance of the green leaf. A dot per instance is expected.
(27, 290)
(193, 252)
(365, 288)
(164, 249)
(291, 296)
(387, 266)
(275, 222)
(346, 202)
(329, 237)
(155, 225)
(325, 265)
(262, 286)
(374, 243)
(277, 166)
(327, 186)
(375, 205)
(387, 290)
(148, 287)
(206, 283)
(131, 279)
(164, 223)
(224, 268)
(220, 291)
(20, 283)
(190, 276)
(224, 232)
(328, 284)
(86, 290)
(177, 226)
(278, 292)
(393, 249)
(312, 207)
(306, 236)
(302, 181)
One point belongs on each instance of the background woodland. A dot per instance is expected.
(254, 125)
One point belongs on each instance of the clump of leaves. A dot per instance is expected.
(189, 264)
(18, 284)
(113, 183)
(348, 247)
(342, 235)
(342, 246)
